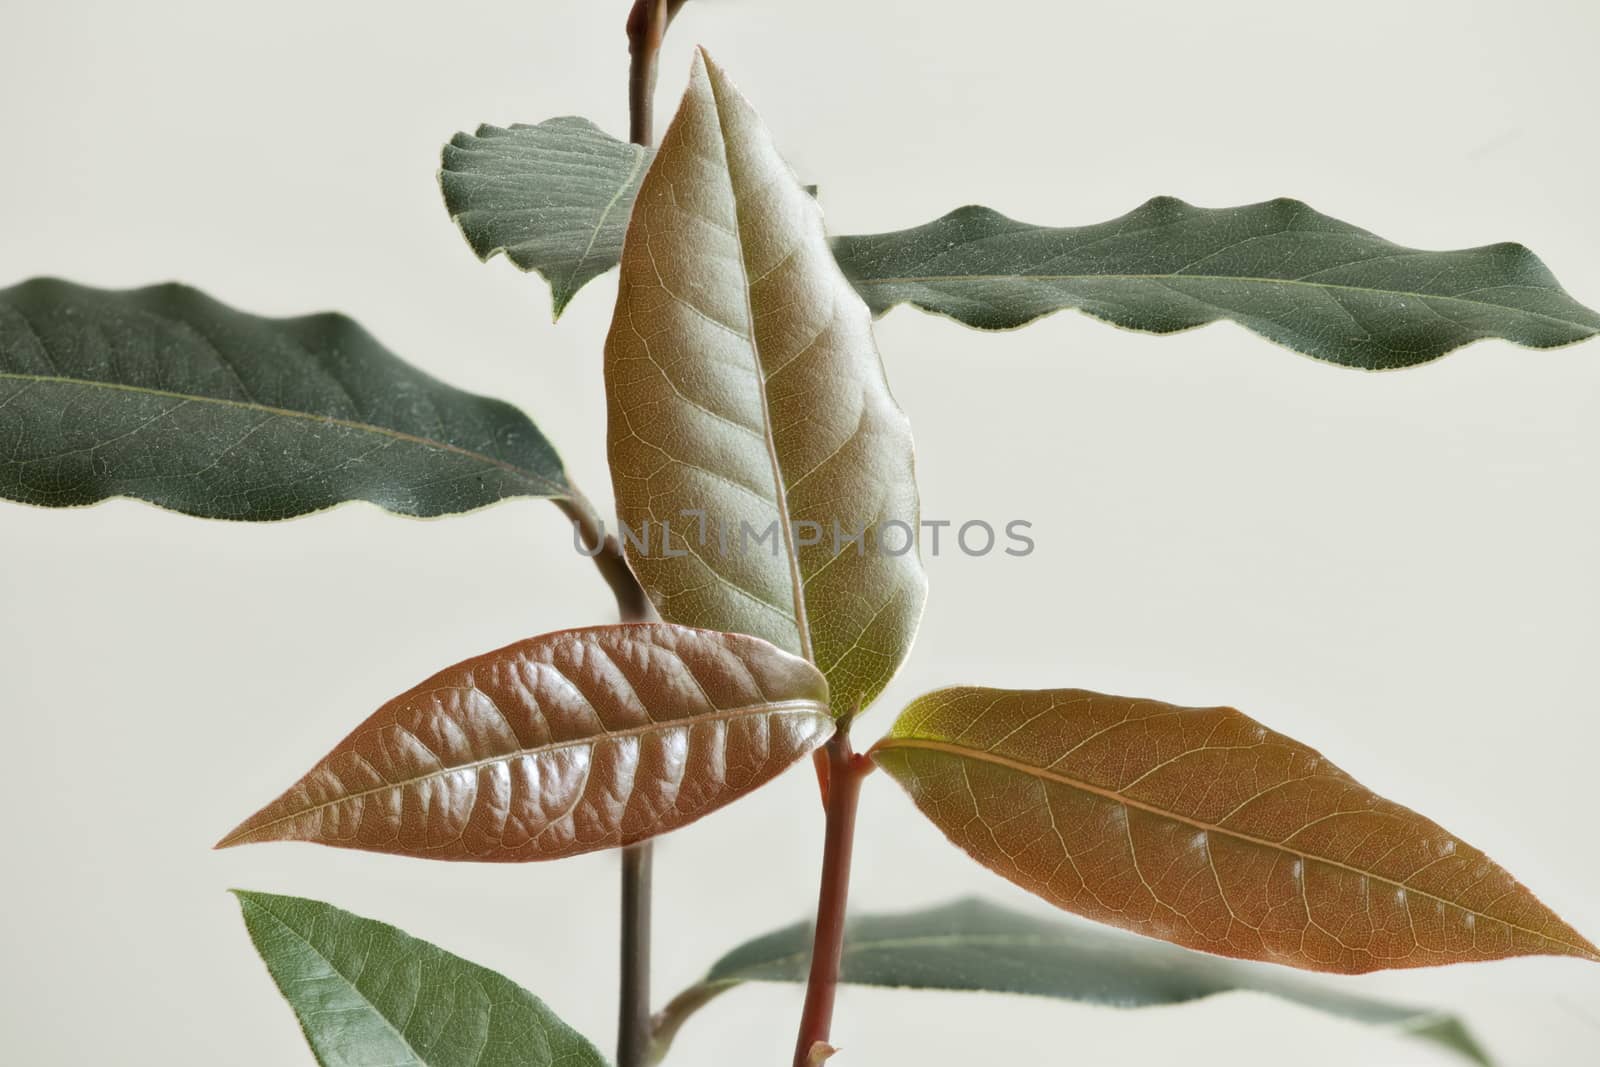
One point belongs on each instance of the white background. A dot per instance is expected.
(1399, 569)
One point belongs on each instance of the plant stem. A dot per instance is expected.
(633, 1031)
(632, 604)
(846, 771)
(647, 26)
(633, 991)
(670, 1019)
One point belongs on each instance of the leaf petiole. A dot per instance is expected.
(846, 771)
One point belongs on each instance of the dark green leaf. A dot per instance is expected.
(168, 396)
(971, 945)
(369, 995)
(1304, 280)
(554, 198)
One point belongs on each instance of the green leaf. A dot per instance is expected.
(369, 995)
(167, 396)
(1302, 279)
(554, 198)
(745, 386)
(970, 945)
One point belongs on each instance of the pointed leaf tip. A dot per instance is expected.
(370, 995)
(562, 744)
(1201, 827)
(743, 381)
(1309, 282)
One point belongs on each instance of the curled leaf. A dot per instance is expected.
(553, 198)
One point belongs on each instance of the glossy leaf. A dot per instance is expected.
(369, 995)
(1302, 279)
(561, 744)
(1297, 277)
(970, 945)
(1201, 827)
(167, 396)
(744, 384)
(554, 198)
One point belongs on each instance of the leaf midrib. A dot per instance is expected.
(931, 279)
(784, 707)
(1109, 794)
(641, 158)
(555, 491)
(779, 488)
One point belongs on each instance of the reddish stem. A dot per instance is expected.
(846, 771)
(647, 25)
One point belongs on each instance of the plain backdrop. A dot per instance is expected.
(1399, 569)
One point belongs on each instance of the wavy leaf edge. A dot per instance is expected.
(456, 177)
(1581, 329)
(1371, 352)
(540, 485)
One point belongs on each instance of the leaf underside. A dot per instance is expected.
(743, 382)
(167, 396)
(971, 945)
(369, 995)
(557, 745)
(1201, 827)
(1297, 277)
(569, 225)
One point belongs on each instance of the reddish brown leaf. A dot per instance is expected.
(1202, 827)
(557, 745)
